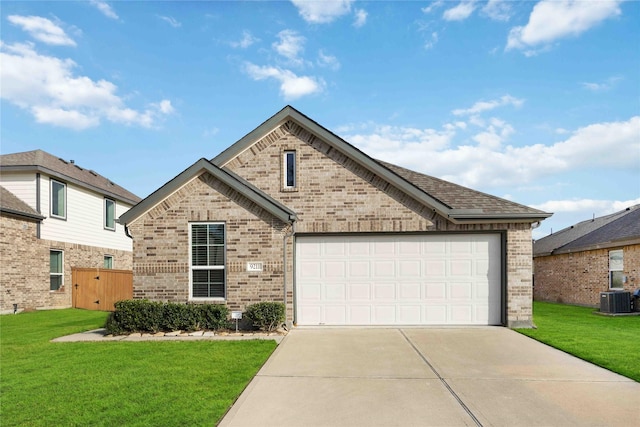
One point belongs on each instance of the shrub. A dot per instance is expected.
(148, 316)
(213, 316)
(267, 316)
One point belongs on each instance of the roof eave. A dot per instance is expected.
(193, 171)
(478, 218)
(67, 178)
(22, 214)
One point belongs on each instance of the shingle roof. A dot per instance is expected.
(458, 197)
(457, 203)
(605, 231)
(42, 161)
(10, 203)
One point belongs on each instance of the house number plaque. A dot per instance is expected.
(255, 266)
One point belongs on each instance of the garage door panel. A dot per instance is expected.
(360, 314)
(461, 314)
(334, 269)
(435, 291)
(335, 292)
(409, 291)
(435, 315)
(335, 314)
(409, 268)
(384, 314)
(398, 280)
(309, 269)
(359, 292)
(410, 314)
(358, 269)
(384, 291)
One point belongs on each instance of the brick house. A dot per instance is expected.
(56, 215)
(293, 213)
(575, 264)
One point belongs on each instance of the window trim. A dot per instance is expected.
(51, 201)
(286, 155)
(619, 268)
(207, 267)
(105, 217)
(61, 274)
(104, 264)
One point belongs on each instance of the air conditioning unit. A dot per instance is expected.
(615, 302)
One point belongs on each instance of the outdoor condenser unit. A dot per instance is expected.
(615, 302)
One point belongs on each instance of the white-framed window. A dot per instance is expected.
(289, 169)
(109, 214)
(58, 199)
(56, 269)
(108, 261)
(616, 269)
(208, 253)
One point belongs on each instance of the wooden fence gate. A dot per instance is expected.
(100, 289)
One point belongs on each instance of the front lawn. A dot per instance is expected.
(156, 383)
(610, 342)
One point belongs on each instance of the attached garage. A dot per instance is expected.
(415, 279)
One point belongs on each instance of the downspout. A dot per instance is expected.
(284, 266)
(38, 204)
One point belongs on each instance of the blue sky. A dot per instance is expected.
(537, 102)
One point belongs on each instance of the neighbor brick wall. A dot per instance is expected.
(333, 195)
(24, 266)
(578, 278)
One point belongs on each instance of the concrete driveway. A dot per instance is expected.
(485, 376)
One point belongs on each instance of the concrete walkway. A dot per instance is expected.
(486, 376)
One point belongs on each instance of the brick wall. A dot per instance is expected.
(24, 270)
(333, 195)
(578, 278)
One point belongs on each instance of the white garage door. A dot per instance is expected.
(440, 279)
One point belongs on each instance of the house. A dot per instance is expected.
(293, 213)
(599, 255)
(56, 215)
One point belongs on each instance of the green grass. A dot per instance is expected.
(610, 342)
(155, 383)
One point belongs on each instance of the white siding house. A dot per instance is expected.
(72, 222)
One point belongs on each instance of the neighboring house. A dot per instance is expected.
(600, 255)
(293, 213)
(56, 215)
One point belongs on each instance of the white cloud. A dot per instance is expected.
(104, 8)
(290, 45)
(482, 106)
(551, 20)
(328, 61)
(431, 41)
(598, 207)
(247, 40)
(361, 18)
(49, 89)
(498, 10)
(433, 6)
(602, 86)
(460, 12)
(292, 86)
(171, 21)
(489, 162)
(322, 12)
(42, 29)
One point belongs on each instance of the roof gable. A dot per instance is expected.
(602, 232)
(456, 203)
(38, 160)
(11, 204)
(232, 180)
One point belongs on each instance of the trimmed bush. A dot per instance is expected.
(267, 316)
(148, 316)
